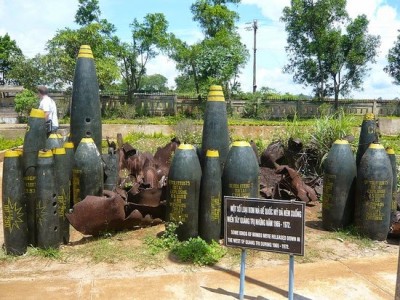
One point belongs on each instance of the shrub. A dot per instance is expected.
(24, 102)
(197, 250)
(124, 111)
(194, 250)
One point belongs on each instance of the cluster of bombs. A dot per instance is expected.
(43, 181)
(36, 187)
(49, 175)
(361, 189)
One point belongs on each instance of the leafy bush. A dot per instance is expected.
(9, 144)
(194, 250)
(197, 250)
(24, 102)
(168, 240)
(123, 111)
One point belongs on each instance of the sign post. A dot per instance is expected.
(267, 225)
(242, 274)
(291, 276)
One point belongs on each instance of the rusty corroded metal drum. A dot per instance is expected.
(87, 173)
(62, 185)
(183, 192)
(215, 128)
(340, 173)
(368, 135)
(47, 218)
(14, 206)
(35, 139)
(210, 217)
(374, 193)
(85, 103)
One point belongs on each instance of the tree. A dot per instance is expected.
(185, 84)
(218, 58)
(64, 47)
(326, 49)
(393, 67)
(147, 39)
(9, 53)
(30, 72)
(88, 12)
(24, 102)
(154, 83)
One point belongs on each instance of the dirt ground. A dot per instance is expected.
(320, 245)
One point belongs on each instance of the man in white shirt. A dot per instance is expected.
(49, 107)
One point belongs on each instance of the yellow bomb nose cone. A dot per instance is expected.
(215, 93)
(85, 51)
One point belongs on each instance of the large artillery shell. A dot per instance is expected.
(210, 216)
(340, 174)
(240, 177)
(47, 218)
(392, 158)
(70, 153)
(62, 186)
(54, 141)
(14, 206)
(85, 104)
(368, 135)
(183, 192)
(215, 128)
(35, 139)
(87, 173)
(374, 193)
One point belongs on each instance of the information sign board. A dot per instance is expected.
(264, 224)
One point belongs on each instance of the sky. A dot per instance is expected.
(32, 23)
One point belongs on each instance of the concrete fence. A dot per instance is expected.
(170, 104)
(159, 104)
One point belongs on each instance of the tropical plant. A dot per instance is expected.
(393, 67)
(24, 102)
(9, 53)
(327, 50)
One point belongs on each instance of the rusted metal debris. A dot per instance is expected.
(139, 200)
(282, 181)
(292, 182)
(95, 215)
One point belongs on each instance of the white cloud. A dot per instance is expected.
(271, 42)
(367, 7)
(384, 21)
(32, 23)
(271, 9)
(164, 66)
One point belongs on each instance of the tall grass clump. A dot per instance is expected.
(327, 129)
(318, 137)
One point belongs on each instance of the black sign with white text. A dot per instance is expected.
(264, 224)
